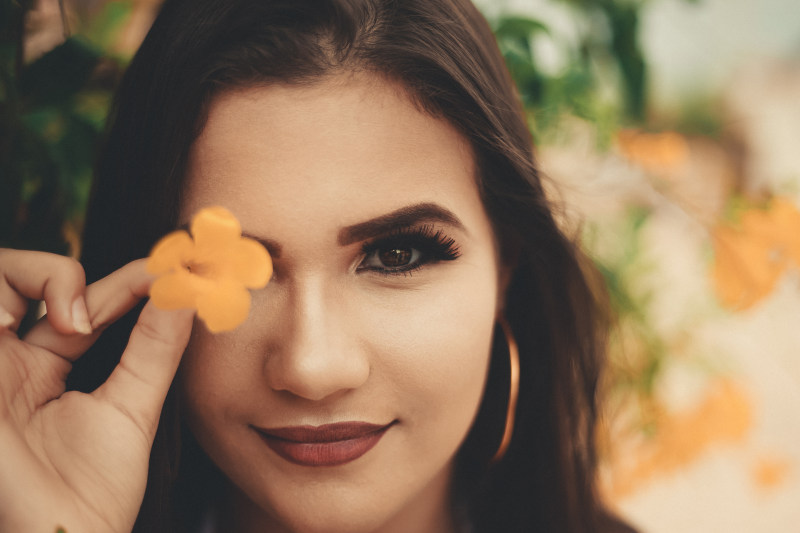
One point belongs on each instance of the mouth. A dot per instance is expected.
(325, 445)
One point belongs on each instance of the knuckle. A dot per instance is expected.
(71, 268)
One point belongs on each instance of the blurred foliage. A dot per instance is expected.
(641, 350)
(52, 114)
(603, 73)
(607, 52)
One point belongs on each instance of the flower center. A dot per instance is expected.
(200, 268)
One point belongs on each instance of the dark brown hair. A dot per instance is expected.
(445, 55)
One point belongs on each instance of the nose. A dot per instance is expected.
(316, 352)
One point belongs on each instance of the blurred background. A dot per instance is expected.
(669, 132)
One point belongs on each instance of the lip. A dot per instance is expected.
(325, 445)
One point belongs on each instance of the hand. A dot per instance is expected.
(68, 459)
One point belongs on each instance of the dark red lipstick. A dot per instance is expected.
(326, 445)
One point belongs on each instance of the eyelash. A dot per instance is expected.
(431, 243)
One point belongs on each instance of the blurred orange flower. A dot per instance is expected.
(654, 151)
(771, 471)
(750, 257)
(210, 272)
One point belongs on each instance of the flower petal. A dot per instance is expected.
(250, 263)
(742, 272)
(170, 253)
(176, 290)
(224, 305)
(787, 222)
(214, 228)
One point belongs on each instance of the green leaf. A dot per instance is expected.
(515, 27)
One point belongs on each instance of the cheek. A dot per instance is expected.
(207, 377)
(434, 348)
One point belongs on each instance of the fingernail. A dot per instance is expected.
(80, 317)
(6, 319)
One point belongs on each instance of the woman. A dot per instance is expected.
(379, 151)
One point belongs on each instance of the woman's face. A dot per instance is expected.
(340, 403)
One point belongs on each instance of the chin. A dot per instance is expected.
(343, 519)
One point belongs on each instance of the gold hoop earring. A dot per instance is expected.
(513, 390)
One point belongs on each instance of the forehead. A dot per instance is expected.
(350, 146)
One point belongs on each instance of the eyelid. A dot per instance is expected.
(408, 216)
(422, 230)
(423, 233)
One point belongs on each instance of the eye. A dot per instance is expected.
(397, 257)
(392, 258)
(408, 249)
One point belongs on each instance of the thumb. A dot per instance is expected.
(139, 383)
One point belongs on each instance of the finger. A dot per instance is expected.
(7, 320)
(58, 280)
(107, 300)
(139, 383)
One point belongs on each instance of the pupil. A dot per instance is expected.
(395, 257)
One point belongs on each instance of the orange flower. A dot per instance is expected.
(655, 152)
(210, 273)
(751, 256)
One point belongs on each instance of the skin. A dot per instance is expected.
(73, 460)
(327, 340)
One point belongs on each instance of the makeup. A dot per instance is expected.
(406, 249)
(325, 445)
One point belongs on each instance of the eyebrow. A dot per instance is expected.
(403, 217)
